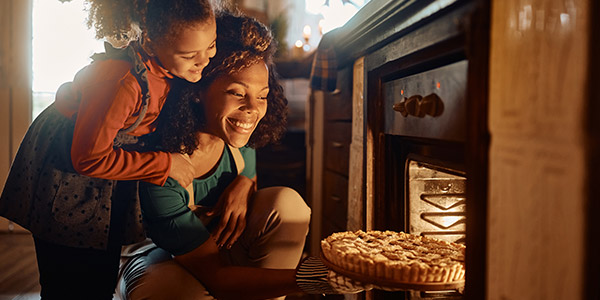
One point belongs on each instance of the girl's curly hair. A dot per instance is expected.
(241, 42)
(126, 20)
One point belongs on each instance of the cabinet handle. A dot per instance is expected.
(336, 198)
(337, 144)
(420, 106)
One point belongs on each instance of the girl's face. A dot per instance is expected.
(189, 52)
(234, 104)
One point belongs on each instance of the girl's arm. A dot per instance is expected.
(232, 282)
(103, 111)
(106, 98)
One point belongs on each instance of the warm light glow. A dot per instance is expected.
(321, 22)
(438, 85)
(336, 14)
(298, 44)
(565, 19)
(306, 32)
(401, 92)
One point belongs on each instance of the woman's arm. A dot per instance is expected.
(232, 207)
(233, 203)
(232, 282)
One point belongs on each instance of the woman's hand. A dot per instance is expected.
(232, 207)
(182, 169)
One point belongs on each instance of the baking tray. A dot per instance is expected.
(382, 283)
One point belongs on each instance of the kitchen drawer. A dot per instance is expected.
(430, 104)
(337, 137)
(335, 199)
(338, 104)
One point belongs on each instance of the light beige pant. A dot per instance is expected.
(276, 229)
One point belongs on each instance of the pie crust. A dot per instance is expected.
(396, 256)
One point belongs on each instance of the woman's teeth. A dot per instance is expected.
(242, 124)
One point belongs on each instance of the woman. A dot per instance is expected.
(227, 239)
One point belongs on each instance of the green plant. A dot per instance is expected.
(279, 27)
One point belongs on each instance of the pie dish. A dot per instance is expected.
(395, 259)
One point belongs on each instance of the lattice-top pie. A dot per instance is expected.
(396, 256)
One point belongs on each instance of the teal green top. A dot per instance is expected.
(169, 221)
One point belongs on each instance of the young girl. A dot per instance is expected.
(237, 242)
(73, 183)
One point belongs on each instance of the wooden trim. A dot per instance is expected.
(477, 148)
(356, 173)
(15, 81)
(374, 155)
(379, 22)
(315, 164)
(592, 260)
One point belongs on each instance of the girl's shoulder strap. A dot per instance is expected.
(239, 163)
(111, 52)
(237, 158)
(140, 72)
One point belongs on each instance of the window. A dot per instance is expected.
(62, 45)
(335, 12)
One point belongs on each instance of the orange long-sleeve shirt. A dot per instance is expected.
(104, 98)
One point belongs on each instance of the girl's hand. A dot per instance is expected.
(232, 207)
(182, 169)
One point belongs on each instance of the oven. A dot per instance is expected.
(422, 184)
(425, 129)
(426, 110)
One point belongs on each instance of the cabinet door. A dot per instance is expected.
(335, 203)
(338, 104)
(337, 146)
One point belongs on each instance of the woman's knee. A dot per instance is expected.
(288, 204)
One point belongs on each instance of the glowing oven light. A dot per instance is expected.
(438, 85)
(402, 92)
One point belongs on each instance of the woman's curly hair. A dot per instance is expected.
(158, 20)
(241, 42)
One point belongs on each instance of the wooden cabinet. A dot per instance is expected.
(329, 136)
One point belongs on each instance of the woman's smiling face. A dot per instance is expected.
(234, 104)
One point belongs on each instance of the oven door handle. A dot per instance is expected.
(420, 106)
